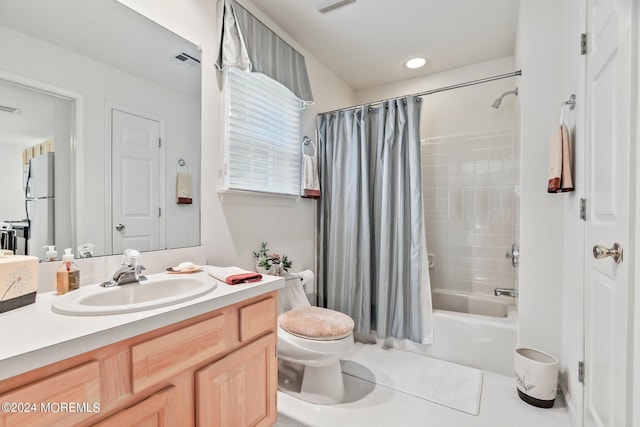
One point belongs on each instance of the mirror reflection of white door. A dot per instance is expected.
(137, 220)
(607, 293)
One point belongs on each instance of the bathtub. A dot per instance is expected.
(472, 330)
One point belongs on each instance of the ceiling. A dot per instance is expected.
(366, 42)
(35, 120)
(108, 32)
(135, 45)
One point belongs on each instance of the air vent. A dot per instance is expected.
(325, 6)
(187, 59)
(10, 110)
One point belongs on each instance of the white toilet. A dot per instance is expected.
(311, 341)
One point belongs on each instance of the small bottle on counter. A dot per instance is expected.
(67, 274)
(50, 253)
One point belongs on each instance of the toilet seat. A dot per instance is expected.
(316, 323)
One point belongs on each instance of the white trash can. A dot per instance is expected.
(536, 375)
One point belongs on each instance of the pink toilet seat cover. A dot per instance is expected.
(316, 323)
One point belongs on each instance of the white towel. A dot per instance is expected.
(310, 181)
(183, 189)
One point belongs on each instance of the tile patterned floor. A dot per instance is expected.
(370, 405)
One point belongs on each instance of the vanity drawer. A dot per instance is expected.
(44, 402)
(257, 318)
(158, 359)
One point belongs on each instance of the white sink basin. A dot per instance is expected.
(157, 291)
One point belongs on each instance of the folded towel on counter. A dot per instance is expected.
(183, 189)
(560, 162)
(234, 275)
(310, 181)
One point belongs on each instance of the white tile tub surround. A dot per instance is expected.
(470, 185)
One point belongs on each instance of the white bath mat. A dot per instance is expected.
(445, 383)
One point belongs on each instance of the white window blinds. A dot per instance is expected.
(262, 134)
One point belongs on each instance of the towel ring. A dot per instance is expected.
(306, 141)
(182, 163)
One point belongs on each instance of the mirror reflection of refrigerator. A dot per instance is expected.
(40, 203)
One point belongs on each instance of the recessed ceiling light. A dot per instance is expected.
(415, 62)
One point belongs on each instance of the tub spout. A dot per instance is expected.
(510, 292)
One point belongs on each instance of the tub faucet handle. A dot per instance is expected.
(510, 292)
(514, 254)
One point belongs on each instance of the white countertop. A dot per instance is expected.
(34, 336)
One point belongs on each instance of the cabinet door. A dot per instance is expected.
(159, 410)
(240, 389)
(45, 402)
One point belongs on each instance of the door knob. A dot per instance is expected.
(120, 227)
(615, 252)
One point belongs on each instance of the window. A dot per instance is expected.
(262, 134)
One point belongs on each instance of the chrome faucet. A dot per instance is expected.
(129, 272)
(510, 292)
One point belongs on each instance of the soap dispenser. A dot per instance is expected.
(50, 253)
(67, 274)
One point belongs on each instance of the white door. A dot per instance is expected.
(136, 183)
(607, 312)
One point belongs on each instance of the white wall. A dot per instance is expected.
(102, 86)
(539, 54)
(573, 284)
(233, 227)
(11, 191)
(635, 416)
(63, 224)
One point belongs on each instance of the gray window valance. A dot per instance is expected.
(247, 43)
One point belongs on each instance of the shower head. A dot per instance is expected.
(496, 103)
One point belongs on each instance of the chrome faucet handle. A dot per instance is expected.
(510, 292)
(109, 283)
(139, 275)
(514, 254)
(131, 257)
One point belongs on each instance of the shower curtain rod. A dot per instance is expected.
(432, 91)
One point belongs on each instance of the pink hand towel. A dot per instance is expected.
(234, 275)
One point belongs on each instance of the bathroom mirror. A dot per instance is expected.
(123, 100)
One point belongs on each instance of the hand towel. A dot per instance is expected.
(183, 189)
(560, 162)
(310, 181)
(234, 275)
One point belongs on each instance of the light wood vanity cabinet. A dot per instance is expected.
(217, 369)
(236, 390)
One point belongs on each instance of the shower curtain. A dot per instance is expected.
(372, 248)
